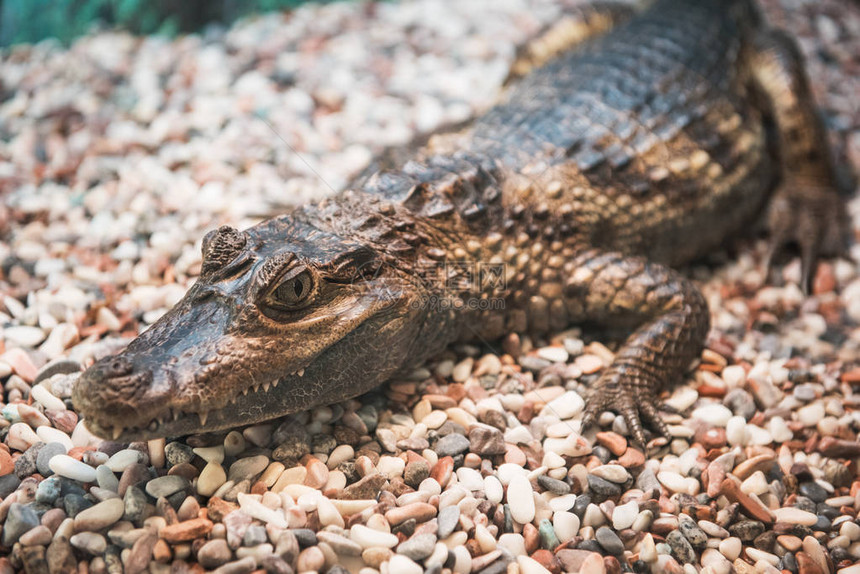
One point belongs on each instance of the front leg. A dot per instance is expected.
(670, 318)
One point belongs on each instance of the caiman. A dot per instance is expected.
(614, 156)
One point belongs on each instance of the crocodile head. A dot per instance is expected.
(283, 317)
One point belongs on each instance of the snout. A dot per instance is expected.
(112, 392)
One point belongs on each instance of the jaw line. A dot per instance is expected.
(180, 422)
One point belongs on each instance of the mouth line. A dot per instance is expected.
(170, 416)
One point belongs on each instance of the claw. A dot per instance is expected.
(650, 413)
(811, 217)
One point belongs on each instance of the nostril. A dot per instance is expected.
(118, 367)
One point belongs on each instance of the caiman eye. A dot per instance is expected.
(294, 292)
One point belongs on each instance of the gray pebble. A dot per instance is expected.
(647, 482)
(340, 544)
(244, 566)
(609, 541)
(90, 542)
(805, 392)
(532, 363)
(447, 520)
(178, 453)
(741, 403)
(19, 520)
(305, 537)
(26, 464)
(9, 484)
(166, 486)
(135, 504)
(553, 485)
(681, 548)
(452, 445)
(603, 488)
(106, 478)
(48, 490)
(75, 503)
(214, 553)
(254, 536)
(418, 547)
(746, 530)
(813, 491)
(46, 453)
(691, 531)
(369, 416)
(248, 468)
(287, 546)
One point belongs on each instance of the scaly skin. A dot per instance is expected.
(646, 147)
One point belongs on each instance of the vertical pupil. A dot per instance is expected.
(298, 287)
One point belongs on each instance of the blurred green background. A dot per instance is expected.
(28, 21)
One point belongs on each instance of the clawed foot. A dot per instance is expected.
(633, 402)
(812, 217)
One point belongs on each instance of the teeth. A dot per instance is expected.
(203, 417)
(266, 387)
(116, 432)
(245, 392)
(300, 372)
(176, 415)
(275, 382)
(154, 425)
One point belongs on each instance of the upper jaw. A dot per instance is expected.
(173, 419)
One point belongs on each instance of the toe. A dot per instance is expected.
(652, 417)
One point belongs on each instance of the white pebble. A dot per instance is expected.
(507, 471)
(530, 566)
(45, 398)
(553, 354)
(69, 467)
(400, 564)
(683, 398)
(210, 453)
(677, 483)
(255, 509)
(470, 478)
(734, 376)
(50, 434)
(566, 406)
(736, 431)
(731, 548)
(493, 489)
(563, 502)
(370, 538)
(611, 472)
(713, 414)
(794, 515)
(758, 436)
(574, 445)
(391, 466)
(756, 484)
(23, 335)
(565, 524)
(811, 414)
(513, 543)
(21, 437)
(124, 459)
(521, 500)
(624, 515)
(328, 513)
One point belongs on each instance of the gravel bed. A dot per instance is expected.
(117, 154)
